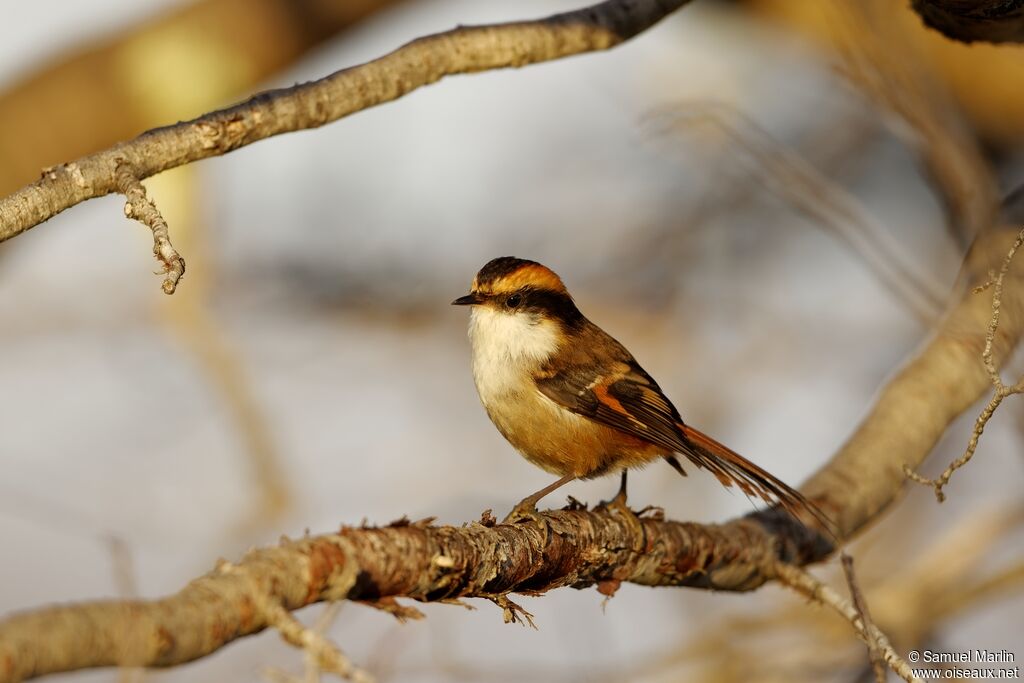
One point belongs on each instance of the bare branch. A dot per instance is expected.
(312, 658)
(425, 60)
(323, 622)
(127, 587)
(93, 93)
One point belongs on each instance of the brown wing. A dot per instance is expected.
(617, 392)
(625, 398)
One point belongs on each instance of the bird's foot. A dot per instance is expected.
(513, 613)
(526, 512)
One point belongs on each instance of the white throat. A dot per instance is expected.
(508, 348)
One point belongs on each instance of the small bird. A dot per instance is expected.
(572, 400)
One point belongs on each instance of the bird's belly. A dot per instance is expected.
(507, 352)
(558, 440)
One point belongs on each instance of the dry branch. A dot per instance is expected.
(584, 548)
(425, 60)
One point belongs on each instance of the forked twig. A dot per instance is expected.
(1001, 390)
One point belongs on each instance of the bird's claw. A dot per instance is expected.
(513, 613)
(526, 511)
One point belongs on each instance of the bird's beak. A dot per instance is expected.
(468, 300)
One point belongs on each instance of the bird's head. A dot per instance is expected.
(521, 306)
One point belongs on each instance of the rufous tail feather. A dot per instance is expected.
(732, 468)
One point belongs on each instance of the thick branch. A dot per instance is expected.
(309, 105)
(423, 562)
(995, 21)
(583, 548)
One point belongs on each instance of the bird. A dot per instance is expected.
(574, 401)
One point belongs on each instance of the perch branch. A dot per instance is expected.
(580, 548)
(465, 49)
(418, 561)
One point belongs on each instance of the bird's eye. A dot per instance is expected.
(513, 301)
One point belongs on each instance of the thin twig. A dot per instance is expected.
(323, 623)
(861, 605)
(1001, 390)
(141, 208)
(327, 654)
(211, 342)
(275, 675)
(808, 585)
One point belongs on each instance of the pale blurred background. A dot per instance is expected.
(309, 372)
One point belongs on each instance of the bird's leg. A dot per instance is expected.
(618, 504)
(619, 501)
(526, 509)
(620, 497)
